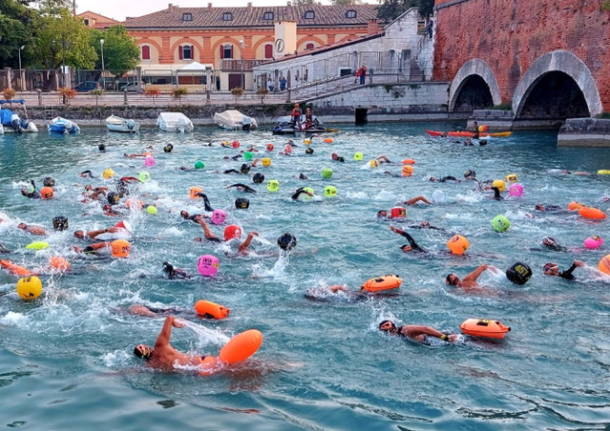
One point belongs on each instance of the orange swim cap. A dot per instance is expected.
(120, 248)
(232, 231)
(59, 263)
(46, 193)
(194, 192)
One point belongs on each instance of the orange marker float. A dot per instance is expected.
(408, 162)
(575, 206)
(212, 310)
(15, 269)
(484, 328)
(592, 213)
(604, 264)
(238, 349)
(379, 284)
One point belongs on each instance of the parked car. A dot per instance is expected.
(86, 86)
(132, 88)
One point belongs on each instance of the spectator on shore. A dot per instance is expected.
(283, 82)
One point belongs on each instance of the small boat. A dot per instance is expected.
(63, 127)
(233, 119)
(118, 124)
(174, 122)
(1, 129)
(11, 122)
(466, 134)
(285, 126)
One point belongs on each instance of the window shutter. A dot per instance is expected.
(180, 53)
(222, 51)
(230, 51)
(192, 52)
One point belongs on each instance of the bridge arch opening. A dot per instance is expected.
(554, 96)
(473, 94)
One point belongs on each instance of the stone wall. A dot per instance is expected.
(511, 34)
(587, 132)
(404, 98)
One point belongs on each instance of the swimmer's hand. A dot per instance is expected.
(176, 323)
(579, 263)
(452, 338)
(395, 229)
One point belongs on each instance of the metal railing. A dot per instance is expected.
(240, 65)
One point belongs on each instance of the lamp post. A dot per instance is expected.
(103, 68)
(20, 72)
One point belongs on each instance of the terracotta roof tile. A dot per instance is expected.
(253, 16)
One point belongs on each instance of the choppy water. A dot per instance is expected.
(66, 362)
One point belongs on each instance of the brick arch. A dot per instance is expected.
(474, 67)
(347, 38)
(184, 40)
(559, 61)
(306, 39)
(266, 39)
(226, 39)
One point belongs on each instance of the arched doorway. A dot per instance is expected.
(474, 94)
(553, 96)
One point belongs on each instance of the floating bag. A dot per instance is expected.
(519, 273)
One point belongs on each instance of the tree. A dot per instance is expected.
(391, 9)
(62, 40)
(16, 24)
(121, 54)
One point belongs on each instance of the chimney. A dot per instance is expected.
(372, 26)
(249, 5)
(288, 3)
(170, 6)
(209, 5)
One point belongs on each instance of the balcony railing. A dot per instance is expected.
(240, 65)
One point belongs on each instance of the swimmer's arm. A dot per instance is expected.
(166, 331)
(94, 233)
(568, 273)
(243, 247)
(474, 275)
(413, 331)
(206, 229)
(338, 288)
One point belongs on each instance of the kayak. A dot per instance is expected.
(466, 134)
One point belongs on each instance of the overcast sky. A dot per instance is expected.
(119, 9)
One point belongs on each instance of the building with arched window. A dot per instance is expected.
(230, 41)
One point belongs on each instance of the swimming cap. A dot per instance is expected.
(309, 150)
(470, 173)
(269, 147)
(273, 185)
(101, 147)
(194, 192)
(287, 241)
(512, 178)
(330, 191)
(113, 198)
(499, 184)
(46, 193)
(248, 156)
(358, 156)
(168, 148)
(151, 209)
(144, 176)
(235, 144)
(60, 223)
(232, 231)
(288, 149)
(373, 163)
(245, 168)
(266, 162)
(258, 178)
(218, 216)
(327, 173)
(328, 140)
(48, 181)
(120, 248)
(242, 203)
(199, 164)
(519, 273)
(149, 161)
(500, 223)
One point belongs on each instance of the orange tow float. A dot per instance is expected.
(484, 328)
(379, 284)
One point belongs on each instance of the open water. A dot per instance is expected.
(66, 359)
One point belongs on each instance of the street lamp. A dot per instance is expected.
(20, 72)
(103, 68)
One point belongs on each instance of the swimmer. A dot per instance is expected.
(549, 208)
(413, 246)
(470, 175)
(552, 244)
(34, 230)
(299, 192)
(497, 196)
(552, 269)
(418, 334)
(426, 225)
(135, 156)
(60, 223)
(244, 169)
(443, 179)
(91, 193)
(109, 211)
(168, 148)
(192, 217)
(3, 249)
(309, 150)
(174, 273)
(383, 159)
(146, 311)
(337, 158)
(163, 356)
(242, 188)
(207, 233)
(87, 174)
(321, 294)
(30, 191)
(101, 148)
(468, 283)
(302, 176)
(91, 235)
(206, 201)
(258, 178)
(417, 199)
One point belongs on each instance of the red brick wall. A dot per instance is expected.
(510, 34)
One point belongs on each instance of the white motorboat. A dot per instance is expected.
(123, 125)
(174, 122)
(233, 119)
(1, 129)
(11, 122)
(62, 126)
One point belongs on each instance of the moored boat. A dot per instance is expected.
(174, 122)
(233, 119)
(122, 125)
(63, 126)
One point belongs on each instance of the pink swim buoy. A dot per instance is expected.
(207, 265)
(149, 161)
(515, 190)
(593, 242)
(218, 216)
